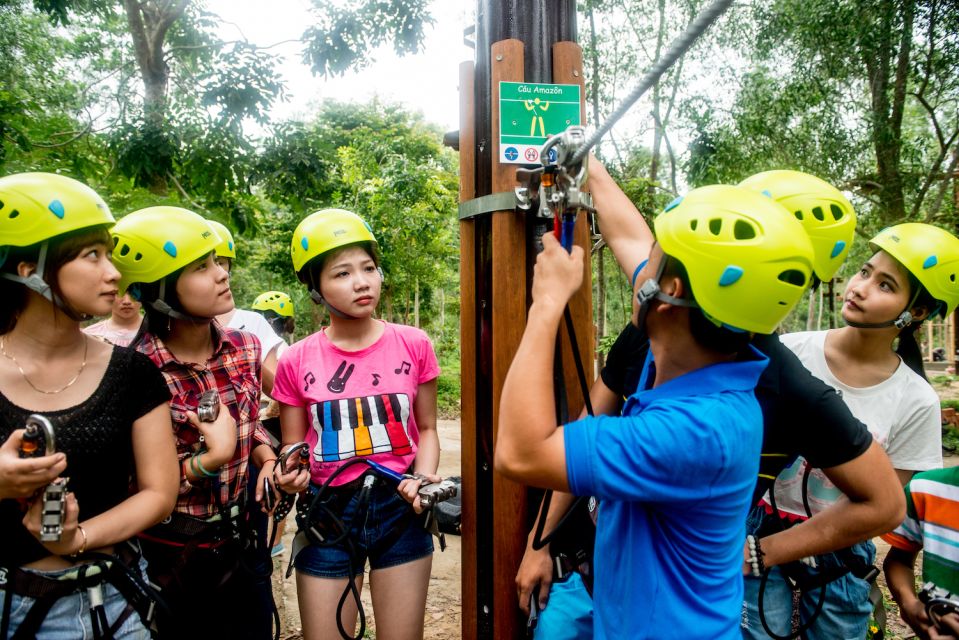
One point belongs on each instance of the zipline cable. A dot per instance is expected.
(677, 48)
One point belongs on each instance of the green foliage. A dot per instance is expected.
(346, 33)
(145, 151)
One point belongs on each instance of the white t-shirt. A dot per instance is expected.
(253, 322)
(901, 412)
(109, 332)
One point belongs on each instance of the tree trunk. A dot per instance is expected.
(657, 118)
(416, 303)
(149, 23)
(888, 103)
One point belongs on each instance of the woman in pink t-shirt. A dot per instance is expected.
(359, 388)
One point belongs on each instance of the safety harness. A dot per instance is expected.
(119, 570)
(319, 520)
(229, 533)
(798, 575)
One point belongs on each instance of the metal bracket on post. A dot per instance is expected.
(503, 201)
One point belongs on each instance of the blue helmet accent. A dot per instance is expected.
(837, 248)
(730, 275)
(673, 204)
(56, 208)
(230, 244)
(305, 243)
(170, 248)
(931, 261)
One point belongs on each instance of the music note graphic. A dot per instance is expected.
(376, 379)
(309, 379)
(404, 368)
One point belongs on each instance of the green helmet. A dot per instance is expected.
(324, 231)
(930, 254)
(226, 248)
(748, 262)
(37, 207)
(276, 301)
(825, 214)
(152, 243)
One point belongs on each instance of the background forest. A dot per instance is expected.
(144, 102)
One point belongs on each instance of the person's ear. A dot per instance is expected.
(673, 286)
(25, 269)
(919, 313)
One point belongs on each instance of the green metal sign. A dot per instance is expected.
(529, 113)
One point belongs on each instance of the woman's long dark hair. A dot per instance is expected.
(908, 347)
(61, 250)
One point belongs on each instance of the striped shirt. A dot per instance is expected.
(234, 371)
(932, 525)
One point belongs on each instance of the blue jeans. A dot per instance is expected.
(388, 534)
(569, 612)
(69, 618)
(846, 607)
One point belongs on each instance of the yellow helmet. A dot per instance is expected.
(324, 231)
(930, 254)
(38, 206)
(275, 301)
(226, 248)
(748, 262)
(825, 214)
(152, 243)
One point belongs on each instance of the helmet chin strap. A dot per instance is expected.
(650, 291)
(35, 282)
(316, 297)
(901, 321)
(161, 305)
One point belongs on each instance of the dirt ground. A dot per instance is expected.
(443, 604)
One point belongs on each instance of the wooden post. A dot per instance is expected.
(494, 281)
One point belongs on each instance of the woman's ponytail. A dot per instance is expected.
(908, 349)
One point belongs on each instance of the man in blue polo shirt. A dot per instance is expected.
(675, 473)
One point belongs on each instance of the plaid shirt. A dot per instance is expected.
(234, 371)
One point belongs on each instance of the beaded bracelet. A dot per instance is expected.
(756, 556)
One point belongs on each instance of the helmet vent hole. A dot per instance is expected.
(952, 277)
(818, 214)
(124, 250)
(138, 257)
(693, 224)
(793, 277)
(715, 226)
(798, 215)
(742, 230)
(837, 212)
(14, 214)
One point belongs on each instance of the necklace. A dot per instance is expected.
(83, 364)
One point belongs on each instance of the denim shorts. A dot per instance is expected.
(388, 534)
(69, 618)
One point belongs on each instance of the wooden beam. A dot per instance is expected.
(509, 321)
(468, 362)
